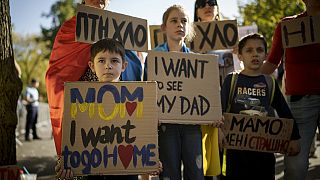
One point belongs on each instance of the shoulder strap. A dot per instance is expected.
(271, 87)
(233, 84)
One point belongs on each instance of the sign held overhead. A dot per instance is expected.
(94, 24)
(301, 31)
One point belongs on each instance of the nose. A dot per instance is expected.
(255, 53)
(180, 24)
(108, 66)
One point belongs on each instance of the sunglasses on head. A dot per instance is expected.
(202, 4)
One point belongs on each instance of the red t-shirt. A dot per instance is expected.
(302, 64)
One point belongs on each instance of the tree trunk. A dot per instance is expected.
(10, 89)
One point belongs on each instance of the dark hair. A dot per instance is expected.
(33, 80)
(110, 45)
(199, 4)
(244, 40)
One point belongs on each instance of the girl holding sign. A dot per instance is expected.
(179, 142)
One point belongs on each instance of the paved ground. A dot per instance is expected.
(38, 156)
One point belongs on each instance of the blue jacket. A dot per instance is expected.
(134, 69)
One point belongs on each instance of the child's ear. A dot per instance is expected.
(124, 66)
(239, 57)
(91, 65)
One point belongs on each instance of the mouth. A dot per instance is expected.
(209, 11)
(255, 61)
(108, 74)
(180, 32)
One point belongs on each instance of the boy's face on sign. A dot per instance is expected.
(253, 54)
(176, 27)
(108, 66)
(102, 4)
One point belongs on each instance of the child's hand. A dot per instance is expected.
(160, 169)
(218, 123)
(62, 173)
(221, 139)
(293, 148)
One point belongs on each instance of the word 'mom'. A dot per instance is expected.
(119, 97)
(94, 24)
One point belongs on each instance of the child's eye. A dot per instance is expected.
(184, 21)
(115, 61)
(101, 61)
(260, 50)
(174, 21)
(249, 50)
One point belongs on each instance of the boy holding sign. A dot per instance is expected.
(107, 62)
(250, 89)
(69, 63)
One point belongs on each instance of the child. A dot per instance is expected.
(107, 62)
(250, 164)
(179, 142)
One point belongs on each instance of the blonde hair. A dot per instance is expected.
(190, 35)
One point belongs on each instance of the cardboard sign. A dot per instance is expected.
(215, 35)
(255, 133)
(245, 30)
(157, 37)
(11, 172)
(301, 31)
(188, 87)
(94, 24)
(110, 128)
(226, 63)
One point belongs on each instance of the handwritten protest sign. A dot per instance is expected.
(301, 31)
(94, 24)
(110, 128)
(255, 133)
(157, 37)
(215, 35)
(245, 30)
(11, 172)
(212, 35)
(188, 87)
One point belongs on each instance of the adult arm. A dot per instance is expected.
(268, 67)
(276, 53)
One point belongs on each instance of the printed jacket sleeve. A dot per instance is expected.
(283, 110)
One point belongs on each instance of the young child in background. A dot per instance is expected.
(178, 142)
(249, 164)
